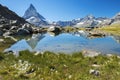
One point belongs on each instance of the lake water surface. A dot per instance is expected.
(67, 43)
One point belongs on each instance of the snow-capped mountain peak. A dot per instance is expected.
(32, 16)
(89, 17)
(32, 7)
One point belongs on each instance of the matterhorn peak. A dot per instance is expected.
(31, 7)
(32, 16)
(31, 11)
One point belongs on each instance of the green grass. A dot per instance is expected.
(113, 29)
(51, 66)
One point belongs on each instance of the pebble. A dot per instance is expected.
(109, 55)
(90, 53)
(1, 40)
(94, 72)
(95, 65)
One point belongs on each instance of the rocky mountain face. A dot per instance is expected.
(32, 16)
(12, 24)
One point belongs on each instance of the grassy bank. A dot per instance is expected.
(51, 66)
(113, 29)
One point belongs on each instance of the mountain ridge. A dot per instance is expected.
(8, 14)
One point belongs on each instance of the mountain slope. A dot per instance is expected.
(32, 16)
(12, 24)
(7, 14)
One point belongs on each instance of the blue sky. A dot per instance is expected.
(56, 10)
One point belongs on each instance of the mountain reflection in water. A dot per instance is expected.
(68, 43)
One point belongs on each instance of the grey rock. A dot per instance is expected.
(95, 65)
(94, 72)
(14, 28)
(7, 33)
(28, 27)
(109, 55)
(11, 37)
(21, 31)
(90, 53)
(1, 40)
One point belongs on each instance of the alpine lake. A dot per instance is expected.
(63, 43)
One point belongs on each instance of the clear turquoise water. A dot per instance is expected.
(67, 43)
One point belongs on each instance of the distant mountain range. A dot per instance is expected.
(31, 15)
(88, 21)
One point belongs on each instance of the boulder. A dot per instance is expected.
(28, 27)
(14, 28)
(7, 33)
(21, 31)
(1, 40)
(94, 72)
(90, 53)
